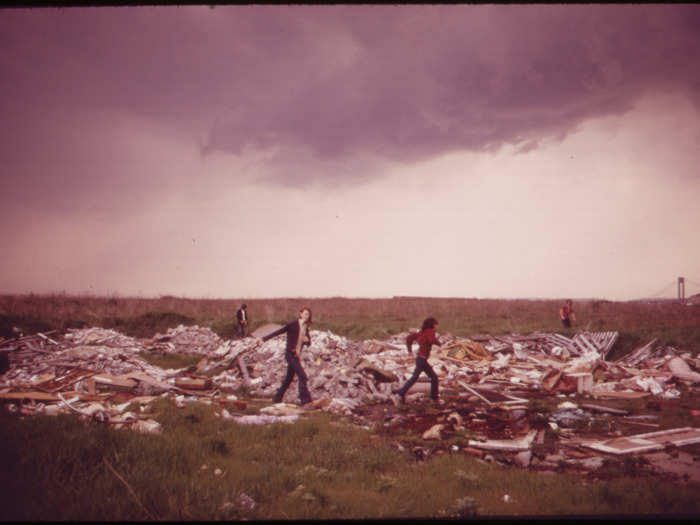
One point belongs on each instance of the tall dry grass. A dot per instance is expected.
(358, 318)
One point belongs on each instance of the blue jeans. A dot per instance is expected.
(293, 368)
(422, 366)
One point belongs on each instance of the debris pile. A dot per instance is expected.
(370, 371)
(186, 340)
(98, 373)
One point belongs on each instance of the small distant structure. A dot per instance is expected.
(681, 289)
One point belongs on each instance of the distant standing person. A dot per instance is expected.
(242, 316)
(567, 314)
(297, 336)
(426, 338)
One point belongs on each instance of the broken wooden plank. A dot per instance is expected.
(46, 338)
(618, 395)
(244, 369)
(491, 397)
(145, 378)
(193, 383)
(113, 382)
(608, 410)
(62, 382)
(582, 341)
(648, 442)
(631, 358)
(36, 396)
(506, 444)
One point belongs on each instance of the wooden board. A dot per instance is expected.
(648, 442)
(265, 330)
(618, 395)
(491, 397)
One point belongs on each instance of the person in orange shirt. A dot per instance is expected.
(566, 314)
(426, 338)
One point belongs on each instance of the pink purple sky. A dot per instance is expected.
(539, 151)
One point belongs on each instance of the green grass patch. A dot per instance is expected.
(319, 467)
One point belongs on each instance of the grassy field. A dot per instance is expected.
(323, 466)
(671, 323)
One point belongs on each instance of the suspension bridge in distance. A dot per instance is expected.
(676, 290)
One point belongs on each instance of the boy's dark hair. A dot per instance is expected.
(430, 322)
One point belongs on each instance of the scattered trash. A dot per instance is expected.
(98, 374)
(433, 432)
(246, 501)
(264, 419)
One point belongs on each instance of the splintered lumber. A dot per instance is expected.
(506, 444)
(605, 410)
(623, 394)
(605, 341)
(647, 442)
(145, 378)
(36, 396)
(491, 397)
(61, 382)
(638, 355)
(113, 382)
(193, 383)
(46, 338)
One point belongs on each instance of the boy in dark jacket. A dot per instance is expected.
(297, 336)
(426, 338)
(242, 320)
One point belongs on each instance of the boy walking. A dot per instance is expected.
(426, 338)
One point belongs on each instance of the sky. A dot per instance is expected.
(260, 151)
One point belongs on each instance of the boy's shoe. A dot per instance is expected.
(438, 402)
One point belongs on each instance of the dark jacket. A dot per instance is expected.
(239, 315)
(292, 330)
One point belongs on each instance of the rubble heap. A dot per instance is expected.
(186, 340)
(86, 362)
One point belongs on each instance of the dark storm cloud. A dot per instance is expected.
(400, 83)
(421, 81)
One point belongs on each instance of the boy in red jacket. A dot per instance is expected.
(426, 338)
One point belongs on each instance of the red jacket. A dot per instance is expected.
(426, 339)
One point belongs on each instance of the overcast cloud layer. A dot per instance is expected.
(494, 151)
